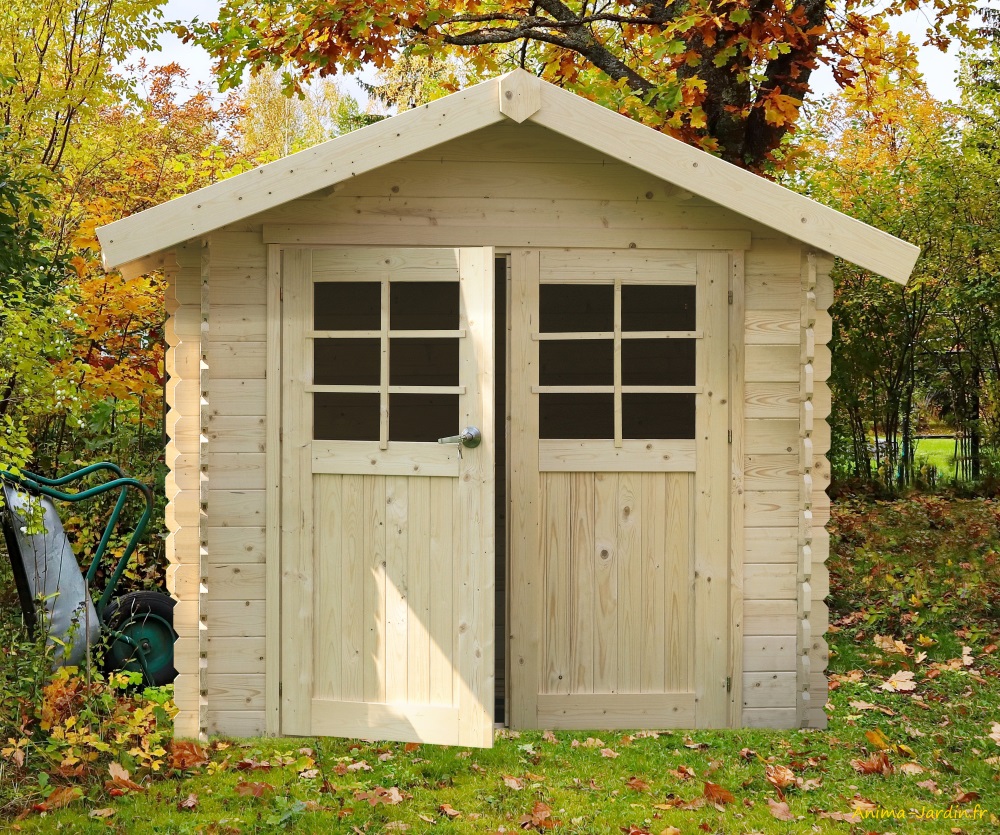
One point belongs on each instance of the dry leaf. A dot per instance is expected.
(862, 804)
(189, 802)
(846, 817)
(930, 785)
(779, 776)
(671, 830)
(451, 813)
(185, 755)
(697, 746)
(512, 782)
(397, 826)
(912, 768)
(535, 778)
(967, 658)
(410, 747)
(590, 742)
(550, 737)
(714, 793)
(995, 732)
(101, 813)
(253, 789)
(780, 810)
(682, 772)
(59, 798)
(638, 784)
(390, 796)
(608, 753)
(250, 764)
(965, 797)
(875, 764)
(361, 765)
(900, 681)
(887, 644)
(120, 783)
(811, 784)
(539, 816)
(878, 740)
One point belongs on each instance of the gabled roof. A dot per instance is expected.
(521, 97)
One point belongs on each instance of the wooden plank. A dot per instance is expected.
(420, 584)
(396, 587)
(581, 591)
(482, 235)
(228, 619)
(236, 723)
(431, 724)
(298, 175)
(519, 95)
(769, 617)
(763, 653)
(360, 263)
(238, 284)
(763, 200)
(237, 360)
(603, 456)
(240, 581)
(772, 437)
(243, 433)
(653, 570)
(771, 509)
(581, 265)
(237, 397)
(525, 541)
(228, 692)
(348, 594)
(239, 323)
(615, 712)
(376, 524)
(398, 459)
(771, 472)
(235, 545)
(711, 485)
(772, 363)
(769, 690)
(630, 637)
(772, 400)
(235, 470)
(238, 656)
(329, 559)
(236, 508)
(442, 625)
(678, 643)
(555, 514)
(769, 581)
(770, 717)
(605, 582)
(771, 327)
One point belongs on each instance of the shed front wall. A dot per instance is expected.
(535, 190)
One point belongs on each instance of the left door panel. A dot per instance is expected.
(387, 536)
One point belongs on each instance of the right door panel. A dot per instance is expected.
(619, 489)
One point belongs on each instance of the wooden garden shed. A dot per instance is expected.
(637, 331)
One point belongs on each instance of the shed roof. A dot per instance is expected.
(521, 97)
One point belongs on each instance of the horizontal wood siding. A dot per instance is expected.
(235, 359)
(183, 456)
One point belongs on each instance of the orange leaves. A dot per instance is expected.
(120, 783)
(875, 764)
(780, 109)
(187, 755)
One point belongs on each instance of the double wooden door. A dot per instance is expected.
(617, 498)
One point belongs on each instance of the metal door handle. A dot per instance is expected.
(469, 437)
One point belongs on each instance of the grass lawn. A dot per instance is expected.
(915, 594)
(937, 451)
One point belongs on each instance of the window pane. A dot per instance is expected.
(658, 362)
(345, 362)
(423, 305)
(653, 307)
(345, 417)
(658, 416)
(422, 417)
(347, 305)
(567, 308)
(576, 416)
(576, 362)
(423, 362)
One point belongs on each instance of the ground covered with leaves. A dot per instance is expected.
(913, 744)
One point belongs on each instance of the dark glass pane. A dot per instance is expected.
(422, 417)
(658, 416)
(348, 305)
(565, 308)
(655, 307)
(423, 362)
(345, 417)
(423, 305)
(576, 362)
(576, 416)
(658, 362)
(346, 362)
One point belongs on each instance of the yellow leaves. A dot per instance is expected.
(780, 109)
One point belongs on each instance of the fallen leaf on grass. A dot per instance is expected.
(59, 798)
(900, 681)
(253, 789)
(637, 783)
(397, 826)
(250, 764)
(670, 830)
(878, 740)
(697, 746)
(550, 737)
(100, 813)
(930, 785)
(714, 793)
(410, 747)
(309, 774)
(511, 782)
(875, 764)
(539, 817)
(591, 742)
(451, 813)
(188, 803)
(390, 796)
(120, 783)
(682, 772)
(888, 644)
(427, 818)
(995, 732)
(608, 753)
(967, 658)
(635, 830)
(861, 804)
(912, 768)
(846, 817)
(780, 776)
(535, 778)
(780, 810)
(185, 755)
(965, 797)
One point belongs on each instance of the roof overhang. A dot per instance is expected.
(518, 96)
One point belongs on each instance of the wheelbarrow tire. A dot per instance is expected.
(147, 618)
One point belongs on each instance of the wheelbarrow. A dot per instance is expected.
(138, 626)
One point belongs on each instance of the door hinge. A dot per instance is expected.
(729, 684)
(730, 296)
(730, 436)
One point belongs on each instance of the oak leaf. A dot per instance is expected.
(511, 782)
(714, 793)
(900, 681)
(188, 803)
(185, 755)
(780, 810)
